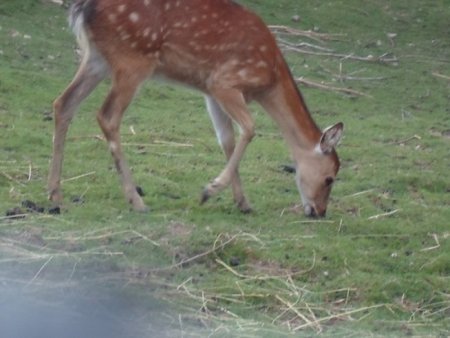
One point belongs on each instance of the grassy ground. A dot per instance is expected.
(378, 265)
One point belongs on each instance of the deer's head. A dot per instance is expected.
(316, 172)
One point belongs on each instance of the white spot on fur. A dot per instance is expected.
(254, 80)
(124, 36)
(243, 73)
(112, 17)
(147, 3)
(134, 17)
(146, 32)
(121, 8)
(261, 64)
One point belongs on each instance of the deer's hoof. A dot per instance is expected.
(204, 196)
(245, 209)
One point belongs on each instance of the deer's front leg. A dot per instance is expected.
(62, 122)
(228, 105)
(223, 126)
(90, 73)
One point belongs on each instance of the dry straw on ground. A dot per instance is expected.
(281, 299)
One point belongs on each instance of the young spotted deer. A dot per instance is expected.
(215, 46)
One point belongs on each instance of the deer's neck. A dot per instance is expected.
(286, 105)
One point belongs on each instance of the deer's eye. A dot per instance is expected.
(329, 181)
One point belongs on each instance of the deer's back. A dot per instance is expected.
(200, 43)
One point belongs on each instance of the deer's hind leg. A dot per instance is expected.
(92, 70)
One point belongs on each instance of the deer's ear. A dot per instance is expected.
(331, 137)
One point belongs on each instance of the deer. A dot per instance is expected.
(217, 47)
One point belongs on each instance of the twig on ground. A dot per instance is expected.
(145, 238)
(283, 42)
(341, 77)
(173, 144)
(386, 214)
(78, 177)
(74, 267)
(180, 322)
(267, 277)
(11, 178)
(415, 137)
(442, 76)
(437, 246)
(203, 254)
(39, 271)
(360, 193)
(158, 143)
(30, 167)
(305, 319)
(341, 223)
(17, 216)
(89, 236)
(348, 91)
(385, 58)
(357, 78)
(83, 137)
(337, 316)
(279, 29)
(380, 236)
(425, 59)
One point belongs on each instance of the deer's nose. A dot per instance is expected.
(314, 211)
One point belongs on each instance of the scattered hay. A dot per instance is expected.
(266, 289)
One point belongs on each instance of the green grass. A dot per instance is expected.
(351, 274)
